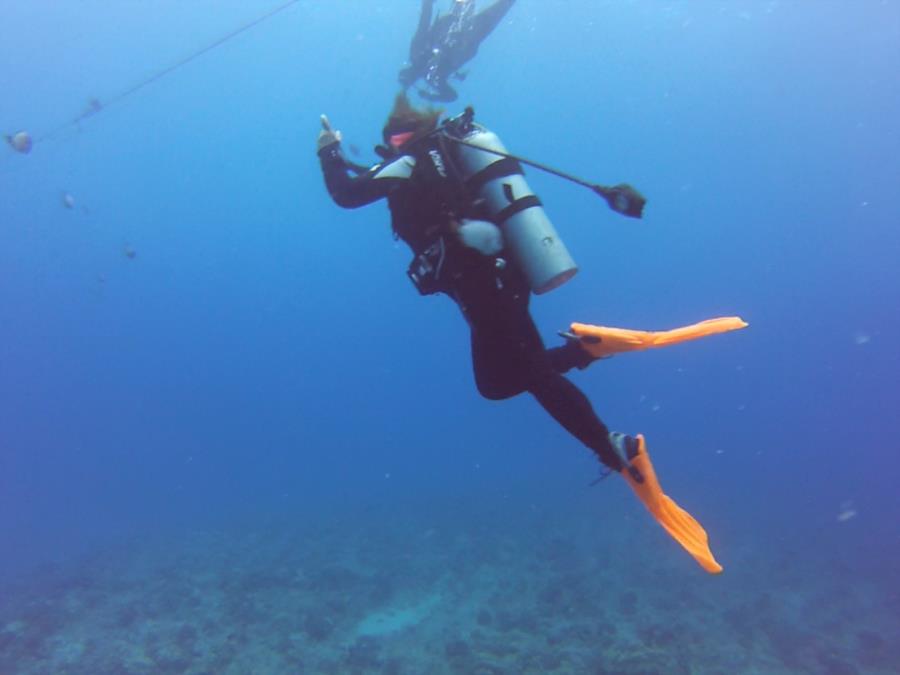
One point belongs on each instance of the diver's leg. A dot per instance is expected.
(509, 357)
(505, 342)
(476, 30)
(500, 372)
(486, 20)
(568, 405)
(506, 345)
(419, 44)
(570, 355)
(419, 49)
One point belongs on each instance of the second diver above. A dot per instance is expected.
(438, 50)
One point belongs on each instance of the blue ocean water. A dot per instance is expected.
(233, 438)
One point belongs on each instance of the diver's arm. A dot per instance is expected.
(351, 192)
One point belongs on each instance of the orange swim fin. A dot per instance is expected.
(600, 341)
(680, 525)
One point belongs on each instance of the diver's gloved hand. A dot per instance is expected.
(327, 136)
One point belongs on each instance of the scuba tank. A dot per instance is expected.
(499, 184)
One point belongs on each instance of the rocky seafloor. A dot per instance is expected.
(408, 591)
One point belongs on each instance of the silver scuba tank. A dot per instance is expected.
(527, 231)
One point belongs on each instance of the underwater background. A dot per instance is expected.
(234, 439)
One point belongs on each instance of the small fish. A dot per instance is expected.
(129, 252)
(68, 200)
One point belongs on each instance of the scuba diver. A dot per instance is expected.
(438, 50)
(480, 236)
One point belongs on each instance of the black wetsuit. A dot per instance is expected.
(437, 51)
(508, 354)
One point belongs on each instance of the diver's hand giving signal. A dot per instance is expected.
(327, 136)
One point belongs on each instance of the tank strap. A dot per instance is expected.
(517, 207)
(499, 169)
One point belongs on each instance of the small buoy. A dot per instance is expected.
(68, 200)
(20, 142)
(130, 253)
